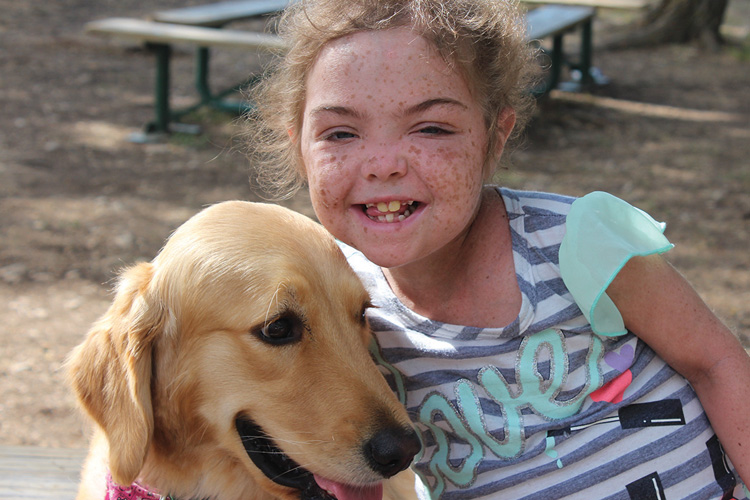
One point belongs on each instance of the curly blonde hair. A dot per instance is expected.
(483, 39)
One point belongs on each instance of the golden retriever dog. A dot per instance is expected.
(235, 365)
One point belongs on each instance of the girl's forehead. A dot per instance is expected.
(396, 58)
(391, 48)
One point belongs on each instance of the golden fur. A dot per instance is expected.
(180, 354)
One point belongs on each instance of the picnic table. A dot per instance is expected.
(205, 27)
(555, 21)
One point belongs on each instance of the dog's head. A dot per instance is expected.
(238, 359)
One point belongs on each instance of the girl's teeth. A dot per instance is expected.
(389, 211)
(391, 206)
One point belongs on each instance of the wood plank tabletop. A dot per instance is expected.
(221, 13)
(551, 20)
(607, 4)
(40, 473)
(142, 30)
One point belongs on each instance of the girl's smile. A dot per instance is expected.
(393, 211)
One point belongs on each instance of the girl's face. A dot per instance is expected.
(393, 145)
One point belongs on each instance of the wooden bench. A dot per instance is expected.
(39, 473)
(555, 21)
(201, 27)
(160, 37)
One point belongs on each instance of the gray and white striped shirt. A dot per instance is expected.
(543, 408)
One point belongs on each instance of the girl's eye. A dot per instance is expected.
(339, 135)
(434, 130)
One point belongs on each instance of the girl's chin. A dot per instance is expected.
(390, 254)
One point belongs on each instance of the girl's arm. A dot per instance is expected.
(662, 309)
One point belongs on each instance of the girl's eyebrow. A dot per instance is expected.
(412, 110)
(429, 103)
(338, 110)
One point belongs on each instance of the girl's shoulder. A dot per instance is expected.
(520, 203)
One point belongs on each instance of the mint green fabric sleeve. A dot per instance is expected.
(602, 233)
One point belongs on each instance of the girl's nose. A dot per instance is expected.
(385, 165)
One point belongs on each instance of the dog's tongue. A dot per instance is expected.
(349, 492)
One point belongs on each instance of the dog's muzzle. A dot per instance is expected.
(274, 463)
(388, 452)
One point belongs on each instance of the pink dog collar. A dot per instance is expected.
(133, 492)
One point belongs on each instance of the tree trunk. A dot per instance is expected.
(676, 21)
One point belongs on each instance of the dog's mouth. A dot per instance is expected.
(281, 469)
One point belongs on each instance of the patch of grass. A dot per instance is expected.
(194, 141)
(210, 121)
(741, 52)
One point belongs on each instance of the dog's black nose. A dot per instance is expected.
(391, 450)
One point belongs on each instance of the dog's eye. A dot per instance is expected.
(284, 330)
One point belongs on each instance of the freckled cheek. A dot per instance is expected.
(327, 181)
(323, 193)
(324, 201)
(458, 177)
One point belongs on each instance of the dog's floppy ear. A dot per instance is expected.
(111, 372)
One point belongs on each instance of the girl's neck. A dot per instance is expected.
(470, 282)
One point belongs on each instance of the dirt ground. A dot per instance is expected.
(670, 133)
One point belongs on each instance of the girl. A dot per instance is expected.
(541, 344)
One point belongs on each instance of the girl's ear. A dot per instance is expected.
(506, 119)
